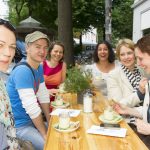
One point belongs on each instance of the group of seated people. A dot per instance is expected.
(34, 82)
(27, 98)
(126, 81)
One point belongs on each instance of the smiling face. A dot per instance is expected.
(7, 47)
(103, 52)
(127, 57)
(57, 53)
(143, 60)
(37, 51)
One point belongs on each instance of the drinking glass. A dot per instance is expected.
(64, 120)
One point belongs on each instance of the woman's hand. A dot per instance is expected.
(53, 91)
(143, 127)
(142, 84)
(121, 109)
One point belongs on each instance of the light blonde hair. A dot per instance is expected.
(124, 42)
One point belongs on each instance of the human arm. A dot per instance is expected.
(125, 110)
(39, 124)
(120, 89)
(53, 91)
(32, 108)
(143, 127)
(43, 97)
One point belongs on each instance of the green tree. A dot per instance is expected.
(87, 13)
(84, 14)
(43, 11)
(122, 19)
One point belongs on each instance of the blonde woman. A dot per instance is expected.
(123, 82)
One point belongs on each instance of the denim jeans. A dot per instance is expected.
(30, 133)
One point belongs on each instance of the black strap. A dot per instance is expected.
(148, 110)
(26, 64)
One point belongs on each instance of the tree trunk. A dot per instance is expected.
(65, 33)
(80, 40)
(108, 7)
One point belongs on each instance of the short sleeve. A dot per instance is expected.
(23, 78)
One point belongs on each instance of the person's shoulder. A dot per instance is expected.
(116, 70)
(21, 68)
(64, 64)
(21, 71)
(40, 68)
(19, 74)
(117, 63)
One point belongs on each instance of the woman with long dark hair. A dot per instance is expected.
(7, 51)
(104, 62)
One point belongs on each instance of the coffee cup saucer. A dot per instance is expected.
(116, 119)
(64, 105)
(72, 127)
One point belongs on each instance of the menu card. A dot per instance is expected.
(118, 132)
(72, 112)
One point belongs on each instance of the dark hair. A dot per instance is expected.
(144, 44)
(8, 25)
(111, 54)
(52, 46)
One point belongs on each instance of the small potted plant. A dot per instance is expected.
(77, 81)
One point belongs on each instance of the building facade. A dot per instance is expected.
(4, 9)
(141, 18)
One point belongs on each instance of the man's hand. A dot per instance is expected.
(142, 84)
(143, 127)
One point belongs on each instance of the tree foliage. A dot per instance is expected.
(122, 19)
(43, 11)
(85, 13)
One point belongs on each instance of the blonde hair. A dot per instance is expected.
(124, 42)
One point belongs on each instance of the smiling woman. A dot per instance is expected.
(7, 45)
(54, 68)
(104, 62)
(123, 82)
(7, 51)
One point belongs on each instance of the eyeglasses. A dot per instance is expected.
(7, 24)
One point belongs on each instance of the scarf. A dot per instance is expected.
(133, 77)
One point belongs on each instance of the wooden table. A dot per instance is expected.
(80, 140)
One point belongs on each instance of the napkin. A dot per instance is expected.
(119, 132)
(72, 112)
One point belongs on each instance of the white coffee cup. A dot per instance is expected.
(59, 102)
(108, 115)
(64, 120)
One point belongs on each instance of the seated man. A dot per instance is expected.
(26, 89)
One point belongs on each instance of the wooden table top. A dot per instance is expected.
(80, 140)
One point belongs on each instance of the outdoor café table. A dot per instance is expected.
(80, 140)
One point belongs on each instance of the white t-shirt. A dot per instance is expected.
(99, 78)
